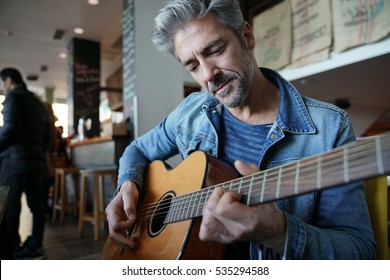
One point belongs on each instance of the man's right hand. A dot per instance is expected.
(121, 214)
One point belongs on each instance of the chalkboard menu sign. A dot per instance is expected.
(84, 85)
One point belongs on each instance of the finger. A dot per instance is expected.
(126, 243)
(129, 196)
(213, 227)
(121, 230)
(212, 230)
(223, 204)
(209, 223)
(206, 234)
(214, 199)
(119, 221)
(118, 232)
(129, 206)
(245, 168)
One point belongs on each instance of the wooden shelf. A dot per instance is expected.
(338, 59)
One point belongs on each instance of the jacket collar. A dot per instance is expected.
(293, 115)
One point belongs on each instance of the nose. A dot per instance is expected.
(209, 70)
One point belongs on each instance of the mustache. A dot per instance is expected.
(219, 81)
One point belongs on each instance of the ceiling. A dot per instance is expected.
(27, 29)
(26, 42)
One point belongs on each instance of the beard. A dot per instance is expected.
(233, 96)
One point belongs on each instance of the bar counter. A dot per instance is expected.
(98, 152)
(90, 141)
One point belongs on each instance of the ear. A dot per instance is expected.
(8, 81)
(248, 35)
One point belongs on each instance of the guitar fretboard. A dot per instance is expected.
(349, 163)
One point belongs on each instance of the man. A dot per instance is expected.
(252, 118)
(24, 138)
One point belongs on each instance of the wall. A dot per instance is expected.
(159, 77)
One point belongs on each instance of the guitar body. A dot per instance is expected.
(178, 240)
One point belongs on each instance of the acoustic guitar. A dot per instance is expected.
(170, 210)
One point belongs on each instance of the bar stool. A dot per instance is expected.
(60, 192)
(98, 216)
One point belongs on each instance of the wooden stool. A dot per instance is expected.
(60, 196)
(98, 215)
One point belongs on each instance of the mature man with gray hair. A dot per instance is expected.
(251, 118)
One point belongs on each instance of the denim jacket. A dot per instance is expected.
(328, 224)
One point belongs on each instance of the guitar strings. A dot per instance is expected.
(329, 163)
(284, 171)
(187, 203)
(180, 215)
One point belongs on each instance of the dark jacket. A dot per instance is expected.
(25, 134)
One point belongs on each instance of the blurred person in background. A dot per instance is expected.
(24, 140)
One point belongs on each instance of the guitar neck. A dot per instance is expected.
(349, 163)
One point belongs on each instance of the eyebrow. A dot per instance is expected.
(205, 50)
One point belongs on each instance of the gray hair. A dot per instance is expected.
(177, 13)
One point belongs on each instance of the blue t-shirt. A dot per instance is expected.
(240, 140)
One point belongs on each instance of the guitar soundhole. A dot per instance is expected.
(159, 213)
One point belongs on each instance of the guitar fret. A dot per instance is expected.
(188, 215)
(199, 203)
(278, 182)
(188, 203)
(263, 186)
(379, 160)
(345, 163)
(319, 166)
(206, 199)
(185, 207)
(231, 185)
(250, 191)
(296, 185)
(179, 210)
(168, 218)
(193, 199)
(179, 207)
(173, 209)
(239, 186)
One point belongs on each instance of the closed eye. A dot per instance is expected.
(213, 48)
(216, 51)
(192, 67)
